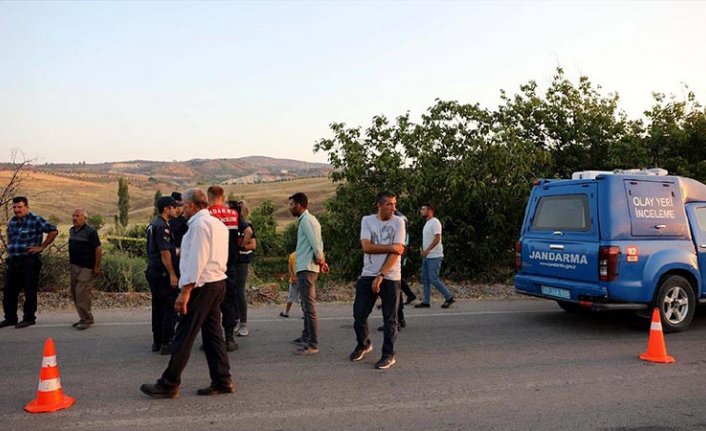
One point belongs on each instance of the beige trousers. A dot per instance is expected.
(81, 291)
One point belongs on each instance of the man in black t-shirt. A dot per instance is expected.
(85, 263)
(162, 275)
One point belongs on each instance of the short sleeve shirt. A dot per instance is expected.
(26, 232)
(244, 256)
(432, 228)
(82, 246)
(382, 232)
(178, 226)
(159, 239)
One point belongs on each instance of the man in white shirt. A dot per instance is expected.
(382, 238)
(204, 254)
(432, 255)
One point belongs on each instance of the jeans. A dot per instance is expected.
(241, 302)
(306, 280)
(22, 274)
(203, 314)
(363, 305)
(228, 306)
(164, 317)
(430, 276)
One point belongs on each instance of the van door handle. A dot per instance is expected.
(702, 246)
(558, 232)
(660, 226)
(556, 247)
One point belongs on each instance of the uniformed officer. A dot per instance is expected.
(178, 224)
(162, 275)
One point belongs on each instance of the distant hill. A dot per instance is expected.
(244, 170)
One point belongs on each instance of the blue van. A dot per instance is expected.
(630, 240)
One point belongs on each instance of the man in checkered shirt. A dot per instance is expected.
(25, 232)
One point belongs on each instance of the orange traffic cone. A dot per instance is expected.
(50, 397)
(656, 349)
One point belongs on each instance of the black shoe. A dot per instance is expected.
(448, 302)
(159, 391)
(231, 345)
(306, 351)
(156, 347)
(25, 323)
(166, 349)
(422, 305)
(6, 323)
(217, 389)
(385, 363)
(299, 342)
(403, 323)
(283, 314)
(410, 299)
(360, 352)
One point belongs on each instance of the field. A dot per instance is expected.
(55, 197)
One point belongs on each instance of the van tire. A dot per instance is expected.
(676, 302)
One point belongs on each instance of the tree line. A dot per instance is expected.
(476, 164)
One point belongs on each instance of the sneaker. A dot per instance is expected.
(359, 353)
(385, 363)
(166, 349)
(25, 323)
(6, 323)
(82, 326)
(410, 299)
(243, 330)
(448, 302)
(299, 342)
(159, 391)
(217, 389)
(283, 314)
(422, 305)
(306, 351)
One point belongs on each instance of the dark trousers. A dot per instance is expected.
(241, 302)
(363, 306)
(228, 306)
(22, 274)
(306, 280)
(164, 317)
(203, 314)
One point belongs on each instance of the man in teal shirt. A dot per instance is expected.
(310, 260)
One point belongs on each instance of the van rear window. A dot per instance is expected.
(562, 212)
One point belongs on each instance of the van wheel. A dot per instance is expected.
(676, 302)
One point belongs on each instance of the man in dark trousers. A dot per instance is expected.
(202, 282)
(382, 237)
(25, 232)
(162, 275)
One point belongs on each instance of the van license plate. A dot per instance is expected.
(559, 293)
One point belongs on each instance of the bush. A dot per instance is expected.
(123, 273)
(55, 270)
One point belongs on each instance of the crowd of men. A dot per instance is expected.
(198, 254)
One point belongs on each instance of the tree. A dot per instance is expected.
(263, 219)
(157, 195)
(123, 202)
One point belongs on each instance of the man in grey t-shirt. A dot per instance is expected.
(382, 237)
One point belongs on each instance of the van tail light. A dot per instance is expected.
(518, 255)
(608, 263)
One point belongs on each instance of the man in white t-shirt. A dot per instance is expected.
(382, 238)
(432, 255)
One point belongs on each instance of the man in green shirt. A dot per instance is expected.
(310, 260)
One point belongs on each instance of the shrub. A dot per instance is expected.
(123, 273)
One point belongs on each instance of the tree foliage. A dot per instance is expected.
(123, 202)
(477, 164)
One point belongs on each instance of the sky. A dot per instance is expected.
(112, 81)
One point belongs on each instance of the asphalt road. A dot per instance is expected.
(495, 365)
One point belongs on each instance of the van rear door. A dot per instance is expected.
(560, 238)
(697, 220)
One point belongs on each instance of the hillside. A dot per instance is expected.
(197, 171)
(56, 196)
